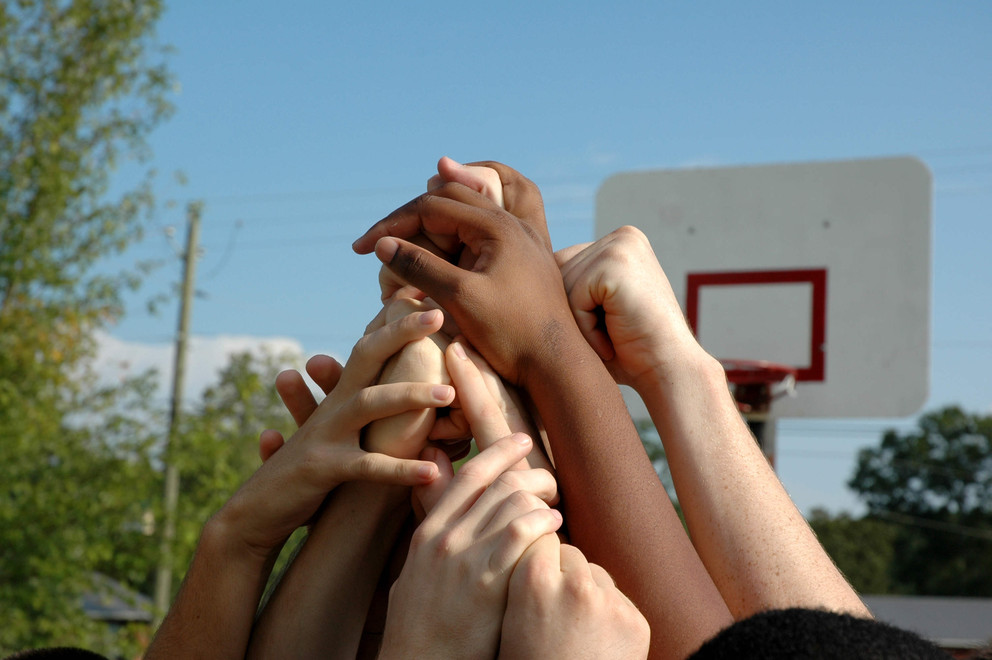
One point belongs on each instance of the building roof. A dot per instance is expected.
(949, 622)
(109, 600)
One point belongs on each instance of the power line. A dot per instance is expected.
(925, 523)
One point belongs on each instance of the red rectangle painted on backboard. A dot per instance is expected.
(815, 277)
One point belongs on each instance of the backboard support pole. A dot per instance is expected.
(764, 429)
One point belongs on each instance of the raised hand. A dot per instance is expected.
(754, 543)
(215, 607)
(625, 307)
(449, 600)
(509, 299)
(423, 360)
(484, 180)
(287, 490)
(298, 399)
(562, 606)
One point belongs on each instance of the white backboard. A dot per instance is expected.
(823, 266)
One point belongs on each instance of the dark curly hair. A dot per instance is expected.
(807, 634)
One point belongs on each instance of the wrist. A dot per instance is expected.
(223, 536)
(685, 393)
(560, 344)
(676, 367)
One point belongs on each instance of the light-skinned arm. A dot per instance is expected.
(319, 606)
(507, 297)
(754, 542)
(213, 613)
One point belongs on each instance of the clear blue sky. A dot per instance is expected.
(300, 124)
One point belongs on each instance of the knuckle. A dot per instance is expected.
(490, 411)
(629, 232)
(421, 537)
(485, 580)
(519, 529)
(413, 262)
(363, 466)
(362, 346)
(511, 480)
(446, 544)
(538, 575)
(596, 569)
(424, 532)
(362, 399)
(544, 481)
(580, 588)
(422, 204)
(474, 472)
(416, 392)
(643, 629)
(523, 501)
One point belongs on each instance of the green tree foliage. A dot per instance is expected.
(217, 449)
(74, 500)
(81, 85)
(935, 484)
(863, 549)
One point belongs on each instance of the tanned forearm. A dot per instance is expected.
(212, 614)
(319, 606)
(617, 510)
(752, 539)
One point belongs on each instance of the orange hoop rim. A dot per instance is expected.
(753, 372)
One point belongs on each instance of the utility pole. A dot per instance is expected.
(163, 578)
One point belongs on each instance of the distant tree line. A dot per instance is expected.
(928, 528)
(82, 84)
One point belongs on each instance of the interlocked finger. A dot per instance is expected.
(520, 533)
(374, 349)
(476, 475)
(382, 401)
(371, 466)
(325, 372)
(483, 412)
(521, 197)
(295, 395)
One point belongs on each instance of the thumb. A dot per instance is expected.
(419, 267)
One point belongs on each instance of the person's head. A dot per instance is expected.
(60, 653)
(816, 635)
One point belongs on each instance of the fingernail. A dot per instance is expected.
(557, 514)
(522, 438)
(385, 248)
(429, 317)
(427, 472)
(441, 392)
(459, 350)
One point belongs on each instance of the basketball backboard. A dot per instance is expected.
(824, 267)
